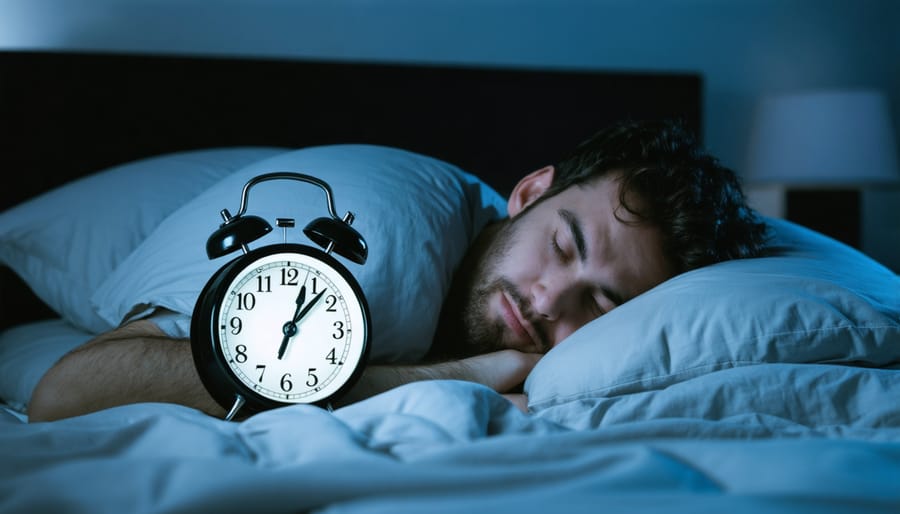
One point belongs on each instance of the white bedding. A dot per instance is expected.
(458, 447)
(762, 385)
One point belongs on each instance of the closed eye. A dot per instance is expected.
(595, 306)
(557, 249)
(613, 298)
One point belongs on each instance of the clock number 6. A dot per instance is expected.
(286, 385)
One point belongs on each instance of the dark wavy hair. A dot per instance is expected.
(696, 202)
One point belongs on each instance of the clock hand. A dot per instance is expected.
(290, 328)
(301, 297)
(309, 306)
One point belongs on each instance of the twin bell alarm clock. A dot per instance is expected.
(284, 323)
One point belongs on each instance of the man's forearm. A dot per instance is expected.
(136, 363)
(140, 363)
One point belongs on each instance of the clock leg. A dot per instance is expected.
(238, 403)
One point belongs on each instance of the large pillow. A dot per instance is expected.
(65, 242)
(812, 300)
(27, 351)
(417, 214)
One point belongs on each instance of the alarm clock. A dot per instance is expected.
(285, 323)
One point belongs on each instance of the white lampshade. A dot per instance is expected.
(826, 138)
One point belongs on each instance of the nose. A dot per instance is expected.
(555, 296)
(555, 300)
(546, 297)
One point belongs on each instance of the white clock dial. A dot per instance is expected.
(291, 328)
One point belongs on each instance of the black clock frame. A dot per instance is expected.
(212, 366)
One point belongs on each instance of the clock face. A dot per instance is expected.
(290, 327)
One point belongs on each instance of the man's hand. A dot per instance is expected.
(503, 371)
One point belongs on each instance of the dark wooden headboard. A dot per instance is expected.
(65, 115)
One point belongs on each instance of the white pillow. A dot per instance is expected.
(417, 214)
(28, 351)
(814, 300)
(64, 243)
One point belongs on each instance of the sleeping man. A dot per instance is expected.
(635, 205)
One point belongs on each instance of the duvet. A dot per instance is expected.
(448, 446)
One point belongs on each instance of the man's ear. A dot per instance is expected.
(529, 189)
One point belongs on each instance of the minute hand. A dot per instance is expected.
(290, 328)
(308, 306)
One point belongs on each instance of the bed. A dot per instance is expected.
(768, 384)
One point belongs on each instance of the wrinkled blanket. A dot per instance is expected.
(450, 446)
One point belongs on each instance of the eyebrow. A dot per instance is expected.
(577, 233)
(581, 247)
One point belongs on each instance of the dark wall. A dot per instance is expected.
(64, 115)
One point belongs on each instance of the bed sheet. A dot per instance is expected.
(450, 446)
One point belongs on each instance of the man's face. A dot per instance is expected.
(553, 267)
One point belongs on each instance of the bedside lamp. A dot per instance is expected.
(822, 148)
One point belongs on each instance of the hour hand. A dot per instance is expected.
(301, 297)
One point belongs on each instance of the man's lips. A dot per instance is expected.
(514, 320)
